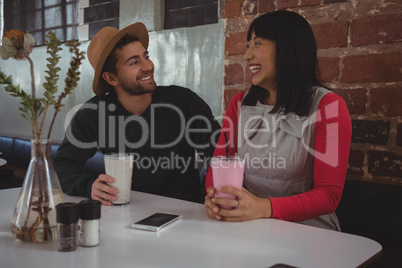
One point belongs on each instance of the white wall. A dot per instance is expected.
(189, 57)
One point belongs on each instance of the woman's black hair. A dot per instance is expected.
(295, 60)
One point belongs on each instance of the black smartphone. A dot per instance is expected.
(156, 221)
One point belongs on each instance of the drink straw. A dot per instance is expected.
(227, 146)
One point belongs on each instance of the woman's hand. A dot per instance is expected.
(246, 207)
(210, 207)
(102, 192)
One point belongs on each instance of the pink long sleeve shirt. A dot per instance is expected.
(329, 180)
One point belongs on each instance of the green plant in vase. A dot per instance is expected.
(34, 217)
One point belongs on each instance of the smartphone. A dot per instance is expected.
(156, 221)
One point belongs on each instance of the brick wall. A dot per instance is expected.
(360, 58)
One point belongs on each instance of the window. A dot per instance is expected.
(188, 13)
(38, 17)
(101, 13)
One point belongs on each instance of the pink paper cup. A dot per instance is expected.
(227, 172)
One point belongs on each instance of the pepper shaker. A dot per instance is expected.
(90, 213)
(67, 215)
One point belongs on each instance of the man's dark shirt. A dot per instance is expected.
(164, 141)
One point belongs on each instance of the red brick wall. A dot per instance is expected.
(360, 58)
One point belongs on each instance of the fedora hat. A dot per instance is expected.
(103, 43)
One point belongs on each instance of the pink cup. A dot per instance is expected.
(227, 172)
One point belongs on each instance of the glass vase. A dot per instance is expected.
(34, 218)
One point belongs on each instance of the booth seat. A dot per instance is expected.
(374, 210)
(17, 153)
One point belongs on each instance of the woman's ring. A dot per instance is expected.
(238, 204)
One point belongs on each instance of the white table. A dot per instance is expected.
(2, 161)
(195, 241)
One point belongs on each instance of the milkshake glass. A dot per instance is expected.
(227, 171)
(120, 167)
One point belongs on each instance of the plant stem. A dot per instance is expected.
(51, 125)
(56, 111)
(33, 130)
(31, 64)
(43, 120)
(32, 77)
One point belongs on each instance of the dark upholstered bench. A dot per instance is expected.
(374, 210)
(17, 153)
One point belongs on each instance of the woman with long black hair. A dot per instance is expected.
(292, 131)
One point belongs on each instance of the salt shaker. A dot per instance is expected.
(90, 213)
(67, 215)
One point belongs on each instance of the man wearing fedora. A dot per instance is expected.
(163, 127)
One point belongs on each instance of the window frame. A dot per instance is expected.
(188, 12)
(19, 15)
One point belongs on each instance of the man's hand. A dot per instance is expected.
(102, 192)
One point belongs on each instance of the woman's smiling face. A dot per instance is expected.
(260, 57)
